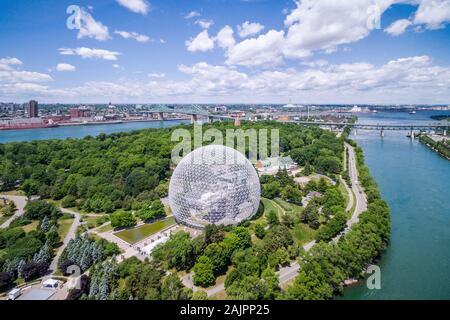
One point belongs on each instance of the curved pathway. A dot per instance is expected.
(70, 235)
(20, 202)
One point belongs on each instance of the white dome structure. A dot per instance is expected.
(214, 185)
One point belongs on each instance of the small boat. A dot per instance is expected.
(413, 112)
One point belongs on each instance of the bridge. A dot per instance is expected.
(195, 111)
(382, 127)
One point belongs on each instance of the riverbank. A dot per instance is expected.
(436, 146)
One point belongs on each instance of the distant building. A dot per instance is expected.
(273, 165)
(32, 109)
(81, 112)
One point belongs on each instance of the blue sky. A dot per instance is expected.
(230, 51)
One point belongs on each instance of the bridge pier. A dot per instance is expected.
(193, 118)
(161, 116)
(445, 132)
(355, 132)
(411, 133)
(210, 119)
(237, 122)
(382, 132)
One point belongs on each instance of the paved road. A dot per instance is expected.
(70, 235)
(20, 202)
(361, 200)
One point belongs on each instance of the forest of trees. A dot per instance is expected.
(27, 255)
(126, 174)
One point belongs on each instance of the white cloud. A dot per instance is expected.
(90, 53)
(9, 73)
(310, 27)
(225, 38)
(204, 23)
(398, 27)
(115, 66)
(434, 14)
(156, 75)
(324, 25)
(405, 80)
(202, 42)
(90, 28)
(249, 29)
(10, 61)
(65, 67)
(137, 6)
(315, 64)
(133, 35)
(266, 50)
(192, 14)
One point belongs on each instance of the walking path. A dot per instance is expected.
(70, 235)
(20, 202)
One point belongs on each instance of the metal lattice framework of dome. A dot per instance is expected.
(214, 185)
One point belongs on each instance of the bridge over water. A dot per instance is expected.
(411, 127)
(195, 111)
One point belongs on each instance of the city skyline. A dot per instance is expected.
(226, 52)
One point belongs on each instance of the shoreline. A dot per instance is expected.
(433, 148)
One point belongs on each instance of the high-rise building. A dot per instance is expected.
(32, 109)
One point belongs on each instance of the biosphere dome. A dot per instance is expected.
(214, 185)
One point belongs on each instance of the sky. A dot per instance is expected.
(225, 51)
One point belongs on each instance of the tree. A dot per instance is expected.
(173, 289)
(122, 218)
(333, 227)
(214, 233)
(260, 232)
(37, 210)
(68, 201)
(199, 295)
(178, 252)
(311, 215)
(291, 194)
(32, 270)
(153, 211)
(44, 224)
(6, 280)
(218, 255)
(204, 272)
(272, 218)
(53, 236)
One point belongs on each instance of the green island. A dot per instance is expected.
(442, 147)
(124, 176)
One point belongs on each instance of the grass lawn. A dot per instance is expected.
(94, 221)
(270, 205)
(31, 227)
(14, 193)
(64, 226)
(303, 234)
(135, 235)
(105, 228)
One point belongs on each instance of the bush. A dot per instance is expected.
(37, 210)
(6, 280)
(122, 218)
(69, 201)
(33, 270)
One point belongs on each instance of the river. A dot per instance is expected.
(81, 131)
(415, 181)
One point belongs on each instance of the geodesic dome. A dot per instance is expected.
(214, 185)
